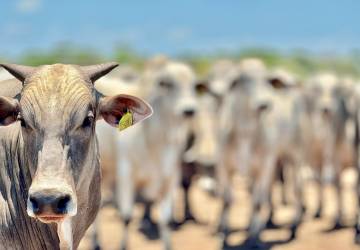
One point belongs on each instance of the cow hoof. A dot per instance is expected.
(293, 230)
(175, 225)
(335, 227)
(317, 215)
(189, 216)
(271, 225)
(224, 244)
(253, 243)
(97, 247)
(149, 229)
(357, 237)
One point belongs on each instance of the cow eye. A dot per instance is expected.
(88, 121)
(167, 84)
(22, 122)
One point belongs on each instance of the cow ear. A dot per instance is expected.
(9, 110)
(124, 109)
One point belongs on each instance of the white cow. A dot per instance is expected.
(261, 127)
(152, 167)
(331, 147)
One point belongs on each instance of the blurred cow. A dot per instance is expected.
(200, 155)
(201, 149)
(261, 129)
(331, 146)
(151, 170)
(220, 77)
(124, 79)
(356, 112)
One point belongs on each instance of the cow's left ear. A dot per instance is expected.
(131, 108)
(9, 110)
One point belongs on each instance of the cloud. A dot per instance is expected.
(28, 5)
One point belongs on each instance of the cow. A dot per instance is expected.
(200, 155)
(50, 172)
(356, 114)
(122, 80)
(151, 169)
(331, 147)
(261, 126)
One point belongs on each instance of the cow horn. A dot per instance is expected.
(94, 72)
(21, 72)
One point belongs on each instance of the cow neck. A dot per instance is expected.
(17, 228)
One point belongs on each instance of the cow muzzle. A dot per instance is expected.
(51, 205)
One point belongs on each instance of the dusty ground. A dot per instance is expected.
(312, 234)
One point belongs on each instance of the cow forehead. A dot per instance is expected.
(56, 89)
(179, 72)
(326, 81)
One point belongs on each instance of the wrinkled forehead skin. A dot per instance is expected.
(53, 95)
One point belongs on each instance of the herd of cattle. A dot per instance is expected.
(242, 118)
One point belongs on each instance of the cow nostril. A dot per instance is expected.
(189, 113)
(62, 204)
(35, 205)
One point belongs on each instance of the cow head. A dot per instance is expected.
(174, 88)
(326, 95)
(57, 111)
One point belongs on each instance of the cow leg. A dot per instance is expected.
(125, 234)
(270, 222)
(357, 164)
(224, 217)
(320, 187)
(261, 198)
(357, 224)
(147, 224)
(126, 192)
(224, 180)
(164, 221)
(338, 190)
(284, 200)
(166, 207)
(299, 205)
(188, 173)
(94, 235)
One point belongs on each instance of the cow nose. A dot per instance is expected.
(50, 203)
(189, 113)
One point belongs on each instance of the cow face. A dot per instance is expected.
(220, 77)
(174, 85)
(57, 112)
(205, 128)
(326, 95)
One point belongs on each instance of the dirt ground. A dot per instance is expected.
(312, 234)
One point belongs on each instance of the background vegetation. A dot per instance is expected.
(301, 62)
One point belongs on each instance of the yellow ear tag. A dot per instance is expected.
(125, 121)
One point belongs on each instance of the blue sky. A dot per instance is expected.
(160, 26)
